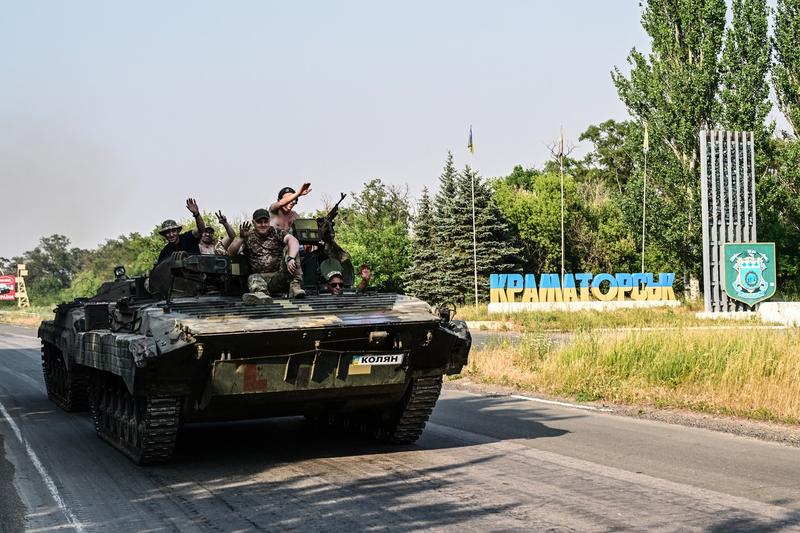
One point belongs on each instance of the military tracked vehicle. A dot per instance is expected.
(147, 355)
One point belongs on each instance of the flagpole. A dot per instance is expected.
(561, 166)
(645, 149)
(474, 232)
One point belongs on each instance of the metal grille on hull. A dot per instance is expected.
(282, 308)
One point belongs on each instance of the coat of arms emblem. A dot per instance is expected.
(749, 271)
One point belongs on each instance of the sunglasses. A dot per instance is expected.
(336, 285)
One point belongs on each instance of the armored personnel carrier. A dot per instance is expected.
(147, 355)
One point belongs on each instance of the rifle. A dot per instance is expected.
(335, 209)
(325, 224)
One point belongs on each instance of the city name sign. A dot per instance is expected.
(582, 287)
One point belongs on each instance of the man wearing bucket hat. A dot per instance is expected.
(271, 270)
(189, 241)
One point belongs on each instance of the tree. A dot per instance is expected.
(496, 249)
(744, 97)
(786, 72)
(51, 265)
(444, 226)
(673, 90)
(420, 276)
(374, 230)
(597, 237)
(617, 150)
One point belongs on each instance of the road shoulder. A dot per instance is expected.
(765, 431)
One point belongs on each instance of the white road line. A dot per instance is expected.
(562, 404)
(48, 481)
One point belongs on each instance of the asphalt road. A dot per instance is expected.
(483, 464)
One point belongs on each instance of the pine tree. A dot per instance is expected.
(495, 250)
(443, 276)
(420, 276)
(786, 73)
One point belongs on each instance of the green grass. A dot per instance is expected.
(28, 316)
(749, 373)
(533, 321)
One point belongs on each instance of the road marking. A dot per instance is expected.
(48, 481)
(539, 400)
(562, 404)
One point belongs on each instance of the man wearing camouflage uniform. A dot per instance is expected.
(271, 270)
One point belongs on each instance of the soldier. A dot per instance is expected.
(189, 241)
(210, 245)
(270, 269)
(282, 213)
(334, 283)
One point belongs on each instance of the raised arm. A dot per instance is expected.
(366, 275)
(231, 233)
(236, 245)
(291, 197)
(191, 205)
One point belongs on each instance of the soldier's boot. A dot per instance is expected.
(256, 298)
(296, 288)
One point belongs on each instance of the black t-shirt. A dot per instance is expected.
(187, 242)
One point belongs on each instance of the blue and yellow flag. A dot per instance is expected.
(470, 145)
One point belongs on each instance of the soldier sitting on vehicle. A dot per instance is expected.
(189, 241)
(210, 245)
(271, 270)
(282, 213)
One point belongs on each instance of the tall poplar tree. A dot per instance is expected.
(744, 97)
(786, 73)
(673, 90)
(421, 278)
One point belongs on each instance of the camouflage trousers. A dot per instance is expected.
(274, 282)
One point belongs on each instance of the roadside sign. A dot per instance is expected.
(8, 288)
(750, 272)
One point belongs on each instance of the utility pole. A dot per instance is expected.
(645, 149)
(471, 146)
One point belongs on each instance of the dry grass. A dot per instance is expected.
(534, 321)
(755, 374)
(31, 316)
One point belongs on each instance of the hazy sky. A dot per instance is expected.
(112, 114)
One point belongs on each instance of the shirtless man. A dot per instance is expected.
(282, 214)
